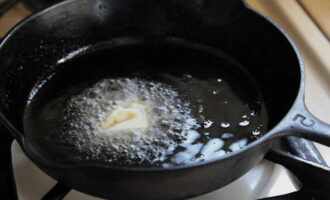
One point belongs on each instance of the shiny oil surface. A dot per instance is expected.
(202, 105)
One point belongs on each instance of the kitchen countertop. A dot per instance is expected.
(12, 17)
(319, 11)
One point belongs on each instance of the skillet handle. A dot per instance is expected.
(306, 125)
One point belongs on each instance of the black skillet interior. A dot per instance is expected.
(149, 60)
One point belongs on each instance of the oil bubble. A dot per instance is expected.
(225, 124)
(244, 123)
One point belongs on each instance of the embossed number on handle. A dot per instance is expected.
(304, 121)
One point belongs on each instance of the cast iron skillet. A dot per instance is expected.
(35, 45)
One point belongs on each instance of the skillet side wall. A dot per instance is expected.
(160, 185)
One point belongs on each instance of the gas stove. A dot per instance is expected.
(265, 179)
(300, 165)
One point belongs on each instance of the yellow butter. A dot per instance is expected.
(133, 117)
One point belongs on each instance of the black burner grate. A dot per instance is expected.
(307, 164)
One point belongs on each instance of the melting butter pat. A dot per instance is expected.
(133, 117)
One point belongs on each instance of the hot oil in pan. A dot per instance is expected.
(194, 107)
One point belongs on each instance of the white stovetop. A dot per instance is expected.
(266, 179)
